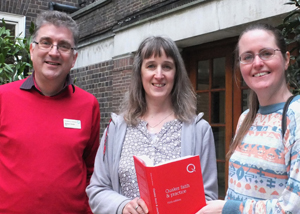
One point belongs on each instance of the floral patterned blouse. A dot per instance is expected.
(160, 147)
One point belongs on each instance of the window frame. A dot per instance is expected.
(221, 48)
(18, 21)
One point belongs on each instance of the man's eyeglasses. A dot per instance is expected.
(265, 54)
(47, 46)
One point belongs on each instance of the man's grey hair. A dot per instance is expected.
(59, 19)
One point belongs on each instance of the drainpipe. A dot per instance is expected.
(62, 7)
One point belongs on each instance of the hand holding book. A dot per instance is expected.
(172, 187)
(136, 205)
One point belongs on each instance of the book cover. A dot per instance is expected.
(172, 187)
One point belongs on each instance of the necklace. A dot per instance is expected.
(152, 127)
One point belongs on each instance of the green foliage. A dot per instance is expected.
(291, 32)
(14, 55)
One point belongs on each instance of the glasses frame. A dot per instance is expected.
(57, 46)
(259, 55)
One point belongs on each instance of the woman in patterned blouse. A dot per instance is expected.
(157, 119)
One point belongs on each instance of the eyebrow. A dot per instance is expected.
(49, 38)
(151, 61)
(260, 50)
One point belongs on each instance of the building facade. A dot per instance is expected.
(205, 31)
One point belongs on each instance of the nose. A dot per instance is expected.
(54, 49)
(159, 72)
(257, 61)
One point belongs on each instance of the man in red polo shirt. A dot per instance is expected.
(49, 128)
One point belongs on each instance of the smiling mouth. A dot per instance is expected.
(261, 74)
(158, 85)
(53, 63)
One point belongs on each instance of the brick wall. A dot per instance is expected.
(118, 13)
(30, 8)
(108, 82)
(97, 79)
(121, 80)
(113, 15)
(125, 8)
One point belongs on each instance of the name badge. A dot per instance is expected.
(72, 124)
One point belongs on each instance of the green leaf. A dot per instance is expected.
(2, 30)
(8, 67)
(32, 28)
(291, 14)
(14, 55)
(2, 58)
(289, 41)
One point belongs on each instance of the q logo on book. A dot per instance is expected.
(191, 168)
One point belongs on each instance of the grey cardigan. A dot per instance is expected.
(104, 190)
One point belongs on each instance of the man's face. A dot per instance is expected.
(52, 64)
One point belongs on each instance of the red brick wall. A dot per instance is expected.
(97, 79)
(121, 80)
(30, 8)
(126, 8)
(112, 15)
(108, 82)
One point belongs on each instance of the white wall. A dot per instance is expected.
(94, 53)
(200, 23)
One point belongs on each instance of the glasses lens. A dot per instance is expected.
(266, 54)
(246, 58)
(64, 47)
(44, 44)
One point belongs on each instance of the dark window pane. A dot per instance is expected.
(218, 73)
(10, 27)
(218, 107)
(221, 179)
(243, 82)
(219, 136)
(203, 104)
(245, 99)
(238, 79)
(203, 75)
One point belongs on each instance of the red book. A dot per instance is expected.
(172, 187)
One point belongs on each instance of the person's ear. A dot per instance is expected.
(287, 61)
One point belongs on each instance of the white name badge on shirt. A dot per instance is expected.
(72, 124)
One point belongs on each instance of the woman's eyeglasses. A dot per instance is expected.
(265, 54)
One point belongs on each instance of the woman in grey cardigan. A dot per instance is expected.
(158, 119)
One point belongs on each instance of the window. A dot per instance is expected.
(14, 22)
(210, 67)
